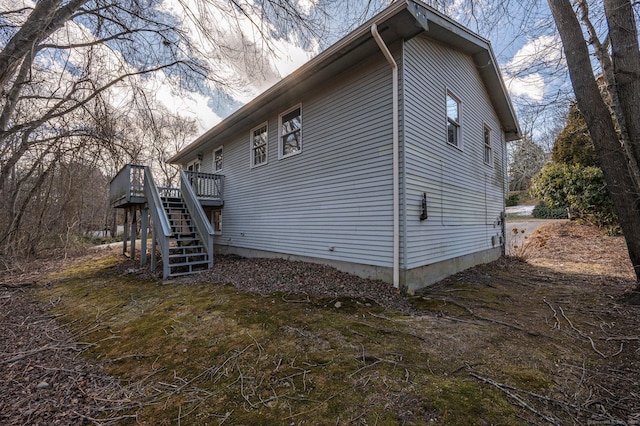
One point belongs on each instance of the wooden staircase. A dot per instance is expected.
(187, 253)
(181, 233)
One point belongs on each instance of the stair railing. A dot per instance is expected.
(200, 220)
(161, 228)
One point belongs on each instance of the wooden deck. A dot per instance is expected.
(126, 189)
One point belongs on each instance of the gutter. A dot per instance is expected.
(396, 156)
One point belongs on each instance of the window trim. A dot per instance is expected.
(456, 123)
(281, 153)
(219, 148)
(252, 163)
(487, 145)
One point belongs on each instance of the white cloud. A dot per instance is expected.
(307, 5)
(187, 104)
(542, 49)
(521, 73)
(242, 49)
(530, 86)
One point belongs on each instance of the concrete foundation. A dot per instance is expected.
(410, 280)
(424, 276)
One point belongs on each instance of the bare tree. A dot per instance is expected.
(615, 131)
(78, 80)
(526, 160)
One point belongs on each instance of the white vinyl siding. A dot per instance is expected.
(338, 193)
(464, 197)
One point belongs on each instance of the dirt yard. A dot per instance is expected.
(542, 338)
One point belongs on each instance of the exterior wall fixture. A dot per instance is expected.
(200, 156)
(424, 215)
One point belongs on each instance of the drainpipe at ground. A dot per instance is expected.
(396, 155)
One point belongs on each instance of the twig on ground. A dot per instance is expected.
(555, 314)
(581, 333)
(507, 390)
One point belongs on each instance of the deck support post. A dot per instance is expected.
(144, 228)
(134, 220)
(153, 251)
(125, 235)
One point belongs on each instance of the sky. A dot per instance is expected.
(519, 47)
(516, 48)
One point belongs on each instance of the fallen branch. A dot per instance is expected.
(132, 356)
(507, 390)
(623, 338)
(107, 420)
(555, 314)
(21, 284)
(22, 355)
(582, 334)
(483, 318)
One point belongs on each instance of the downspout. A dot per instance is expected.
(396, 155)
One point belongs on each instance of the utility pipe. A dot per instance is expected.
(396, 155)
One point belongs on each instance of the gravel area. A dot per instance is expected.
(266, 276)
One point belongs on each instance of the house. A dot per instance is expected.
(383, 156)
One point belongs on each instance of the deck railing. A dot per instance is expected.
(127, 184)
(161, 228)
(206, 185)
(168, 192)
(200, 220)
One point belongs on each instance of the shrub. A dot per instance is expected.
(580, 189)
(542, 211)
(513, 199)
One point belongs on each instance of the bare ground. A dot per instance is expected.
(566, 292)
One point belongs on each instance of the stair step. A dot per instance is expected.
(203, 263)
(183, 248)
(175, 263)
(180, 274)
(187, 255)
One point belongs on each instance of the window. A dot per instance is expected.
(291, 132)
(217, 160)
(259, 140)
(453, 120)
(488, 154)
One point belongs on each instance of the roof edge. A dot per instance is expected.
(395, 8)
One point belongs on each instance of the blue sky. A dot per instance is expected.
(522, 36)
(527, 48)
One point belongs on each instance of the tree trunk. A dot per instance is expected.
(611, 154)
(626, 66)
(46, 17)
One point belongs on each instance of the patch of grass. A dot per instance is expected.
(207, 353)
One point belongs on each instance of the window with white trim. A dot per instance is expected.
(453, 120)
(290, 132)
(217, 160)
(259, 144)
(488, 153)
